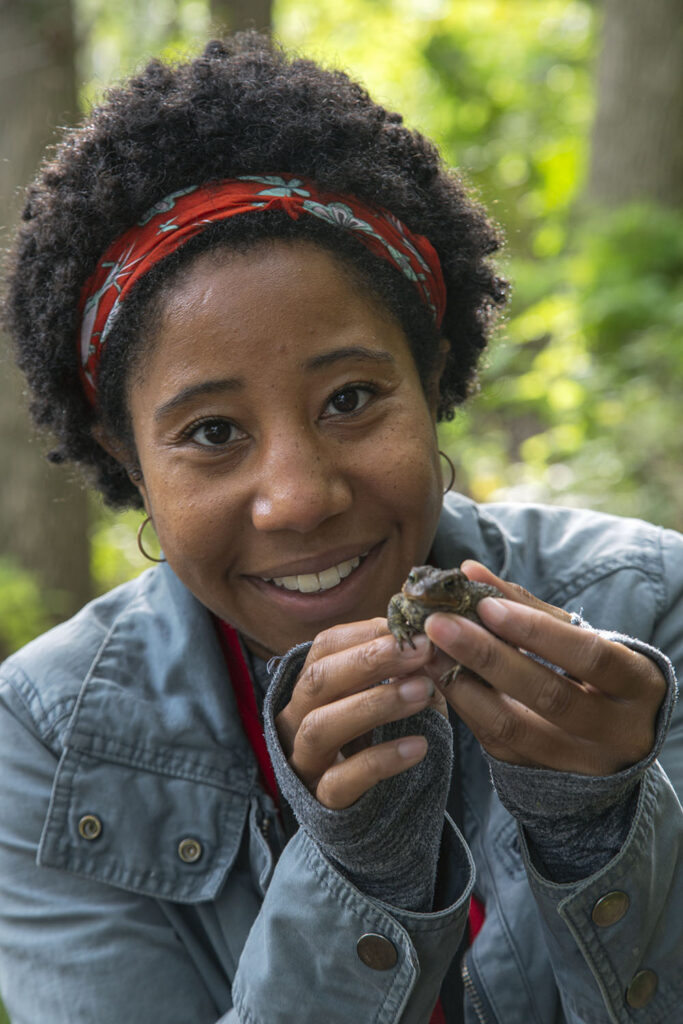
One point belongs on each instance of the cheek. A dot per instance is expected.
(191, 522)
(406, 469)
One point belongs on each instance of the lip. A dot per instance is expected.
(324, 604)
(314, 563)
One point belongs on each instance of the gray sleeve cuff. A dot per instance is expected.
(575, 824)
(386, 843)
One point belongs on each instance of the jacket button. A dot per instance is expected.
(189, 850)
(642, 988)
(376, 951)
(90, 826)
(610, 908)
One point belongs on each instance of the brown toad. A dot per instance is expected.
(428, 590)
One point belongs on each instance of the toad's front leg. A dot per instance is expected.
(399, 621)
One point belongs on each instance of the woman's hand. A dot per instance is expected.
(597, 719)
(325, 730)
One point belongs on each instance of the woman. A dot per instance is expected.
(243, 295)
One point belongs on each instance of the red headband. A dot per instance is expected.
(181, 215)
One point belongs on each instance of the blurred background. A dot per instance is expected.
(565, 116)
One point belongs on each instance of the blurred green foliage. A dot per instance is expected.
(27, 609)
(114, 554)
(579, 400)
(580, 403)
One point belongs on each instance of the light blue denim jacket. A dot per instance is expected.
(125, 714)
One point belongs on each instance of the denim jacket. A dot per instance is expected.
(145, 876)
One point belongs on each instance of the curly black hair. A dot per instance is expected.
(243, 107)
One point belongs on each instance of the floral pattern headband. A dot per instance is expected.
(181, 215)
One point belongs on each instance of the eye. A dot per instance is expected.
(214, 433)
(349, 399)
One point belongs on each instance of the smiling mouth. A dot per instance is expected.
(316, 582)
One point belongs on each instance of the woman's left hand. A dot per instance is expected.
(597, 719)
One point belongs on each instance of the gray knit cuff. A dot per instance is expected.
(576, 823)
(387, 843)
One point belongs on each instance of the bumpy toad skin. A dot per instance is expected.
(428, 590)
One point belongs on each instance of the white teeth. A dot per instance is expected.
(309, 583)
(346, 568)
(313, 582)
(329, 578)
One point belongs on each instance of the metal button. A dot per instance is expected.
(90, 826)
(376, 951)
(610, 908)
(189, 850)
(642, 988)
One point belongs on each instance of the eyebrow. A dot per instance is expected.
(207, 387)
(214, 387)
(350, 352)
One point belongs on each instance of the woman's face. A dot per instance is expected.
(288, 451)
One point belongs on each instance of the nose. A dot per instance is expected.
(301, 484)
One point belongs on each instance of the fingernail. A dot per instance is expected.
(415, 690)
(412, 748)
(493, 610)
(420, 646)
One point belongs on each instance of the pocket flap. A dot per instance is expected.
(162, 835)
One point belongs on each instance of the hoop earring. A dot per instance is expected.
(141, 527)
(452, 469)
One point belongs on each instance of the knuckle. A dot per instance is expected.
(528, 630)
(555, 697)
(599, 654)
(373, 700)
(372, 655)
(501, 731)
(321, 646)
(372, 759)
(485, 657)
(308, 734)
(312, 680)
(379, 626)
(521, 594)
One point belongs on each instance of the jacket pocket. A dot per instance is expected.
(160, 834)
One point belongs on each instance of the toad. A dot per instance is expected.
(428, 590)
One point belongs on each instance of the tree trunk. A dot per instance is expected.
(637, 144)
(43, 515)
(236, 15)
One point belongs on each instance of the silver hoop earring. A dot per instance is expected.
(141, 528)
(452, 469)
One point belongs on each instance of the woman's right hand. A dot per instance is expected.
(326, 729)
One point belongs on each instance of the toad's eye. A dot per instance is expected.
(349, 399)
(213, 433)
(412, 577)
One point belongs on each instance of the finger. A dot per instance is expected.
(345, 635)
(553, 697)
(353, 669)
(594, 731)
(513, 591)
(344, 783)
(517, 735)
(325, 730)
(610, 667)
